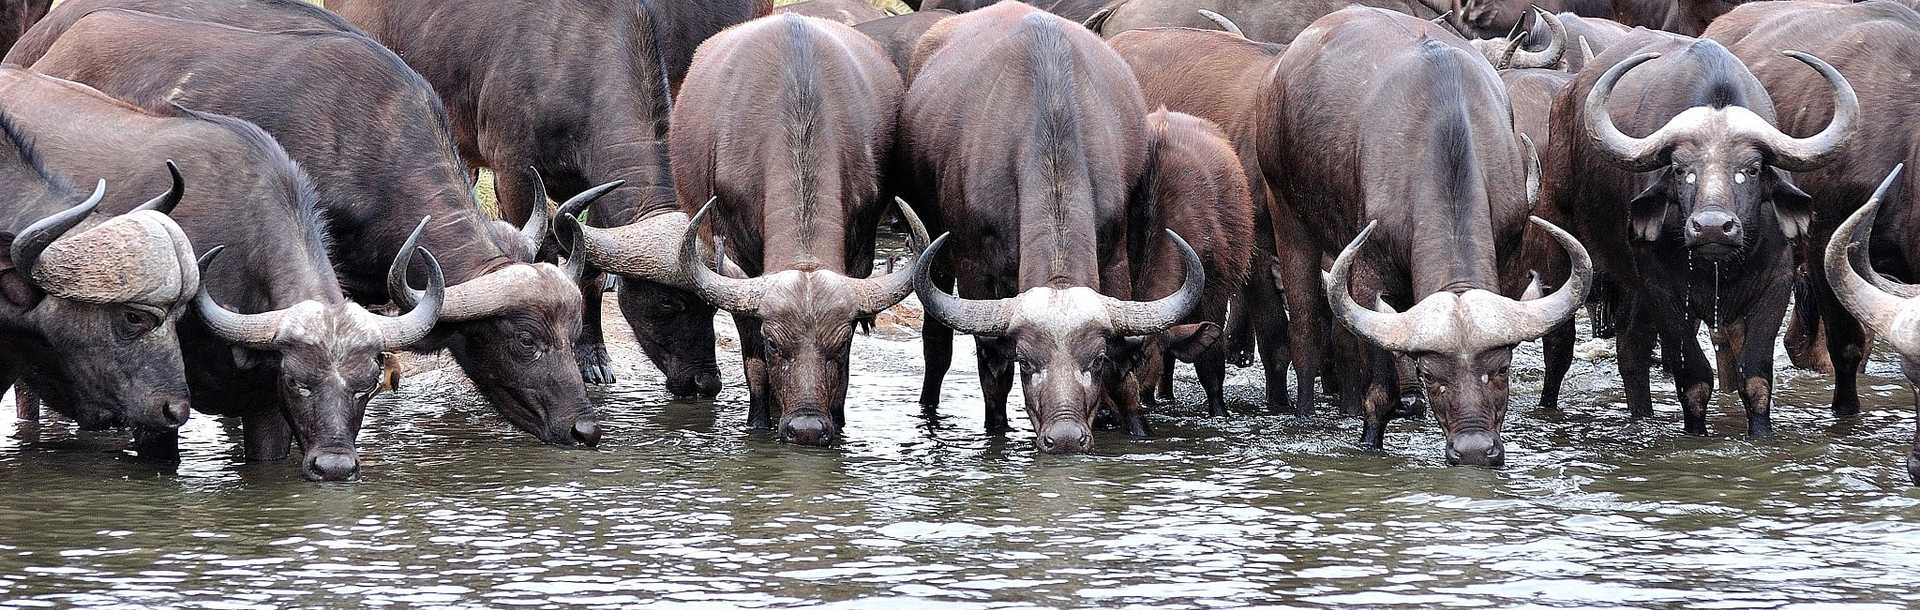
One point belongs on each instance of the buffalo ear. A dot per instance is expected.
(19, 293)
(1188, 341)
(1649, 210)
(1128, 353)
(1794, 207)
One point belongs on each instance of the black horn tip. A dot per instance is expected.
(207, 259)
(167, 201)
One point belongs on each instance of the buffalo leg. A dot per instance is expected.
(1211, 367)
(158, 445)
(1634, 339)
(1753, 338)
(995, 356)
(590, 348)
(1375, 388)
(1268, 308)
(1845, 345)
(759, 407)
(1913, 455)
(1239, 331)
(1306, 330)
(1692, 376)
(936, 346)
(1557, 348)
(1163, 387)
(265, 436)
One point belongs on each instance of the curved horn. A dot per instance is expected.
(1391, 331)
(34, 239)
(1820, 149)
(1223, 22)
(252, 330)
(1533, 172)
(974, 317)
(165, 203)
(535, 231)
(397, 289)
(741, 296)
(647, 249)
(1586, 52)
(1132, 318)
(1512, 322)
(1640, 154)
(878, 293)
(1546, 58)
(409, 328)
(1879, 309)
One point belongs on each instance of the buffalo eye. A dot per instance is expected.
(526, 340)
(302, 389)
(667, 307)
(136, 321)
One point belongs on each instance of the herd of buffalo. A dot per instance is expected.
(243, 207)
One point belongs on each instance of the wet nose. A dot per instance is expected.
(814, 430)
(1476, 449)
(586, 432)
(175, 413)
(709, 384)
(332, 465)
(1713, 227)
(1065, 437)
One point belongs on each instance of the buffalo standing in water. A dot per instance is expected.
(793, 188)
(1693, 220)
(605, 73)
(375, 139)
(89, 317)
(303, 361)
(1033, 175)
(1888, 308)
(1443, 211)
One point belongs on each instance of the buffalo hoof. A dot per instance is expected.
(1412, 405)
(331, 466)
(1217, 408)
(1137, 427)
(1373, 436)
(1696, 426)
(1550, 403)
(595, 366)
(1760, 426)
(1846, 407)
(1913, 467)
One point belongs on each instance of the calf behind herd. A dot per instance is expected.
(248, 202)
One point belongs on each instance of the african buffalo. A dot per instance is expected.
(16, 16)
(1025, 134)
(1334, 146)
(375, 140)
(89, 316)
(1214, 75)
(605, 72)
(1532, 93)
(901, 33)
(1694, 219)
(303, 355)
(793, 187)
(1871, 43)
(1889, 308)
(1194, 185)
(1584, 35)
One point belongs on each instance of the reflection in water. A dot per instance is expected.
(681, 507)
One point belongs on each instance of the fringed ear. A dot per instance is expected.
(1791, 205)
(19, 292)
(1649, 211)
(1188, 341)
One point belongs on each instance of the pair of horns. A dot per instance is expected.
(745, 295)
(1890, 308)
(1789, 153)
(1465, 323)
(262, 330)
(1129, 318)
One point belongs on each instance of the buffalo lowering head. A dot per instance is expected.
(1463, 343)
(1891, 309)
(99, 308)
(1720, 167)
(1071, 342)
(807, 320)
(673, 326)
(328, 360)
(514, 329)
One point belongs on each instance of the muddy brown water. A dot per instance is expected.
(683, 508)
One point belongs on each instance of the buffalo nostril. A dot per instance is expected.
(1729, 226)
(1086, 442)
(332, 466)
(586, 432)
(176, 412)
(1046, 443)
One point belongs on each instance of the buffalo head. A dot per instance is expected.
(807, 321)
(1463, 343)
(99, 308)
(328, 360)
(1720, 166)
(1071, 342)
(673, 326)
